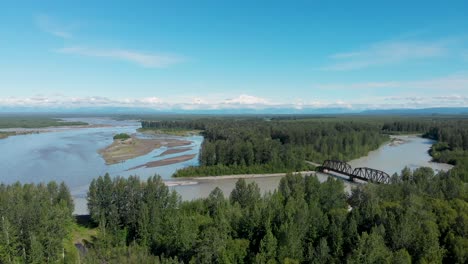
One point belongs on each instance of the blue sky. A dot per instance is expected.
(234, 54)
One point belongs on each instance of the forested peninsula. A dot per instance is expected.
(259, 145)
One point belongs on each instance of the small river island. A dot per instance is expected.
(125, 148)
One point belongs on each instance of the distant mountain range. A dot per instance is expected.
(422, 111)
(262, 111)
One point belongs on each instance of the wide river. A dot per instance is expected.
(71, 155)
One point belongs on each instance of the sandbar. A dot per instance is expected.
(174, 151)
(164, 162)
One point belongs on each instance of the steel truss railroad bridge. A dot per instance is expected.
(363, 173)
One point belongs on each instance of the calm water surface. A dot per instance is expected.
(71, 155)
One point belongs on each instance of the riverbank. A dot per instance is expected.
(248, 176)
(121, 150)
(6, 134)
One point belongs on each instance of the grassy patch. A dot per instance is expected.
(5, 134)
(83, 232)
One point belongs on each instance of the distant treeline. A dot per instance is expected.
(254, 145)
(35, 122)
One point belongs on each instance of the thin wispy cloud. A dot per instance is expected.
(144, 59)
(51, 26)
(385, 53)
(456, 82)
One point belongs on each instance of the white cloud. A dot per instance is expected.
(144, 59)
(440, 98)
(47, 24)
(245, 99)
(151, 100)
(455, 100)
(385, 53)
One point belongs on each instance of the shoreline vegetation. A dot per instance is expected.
(172, 132)
(6, 134)
(35, 122)
(124, 149)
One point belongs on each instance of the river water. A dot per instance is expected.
(71, 155)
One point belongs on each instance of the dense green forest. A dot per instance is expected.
(419, 218)
(35, 223)
(259, 145)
